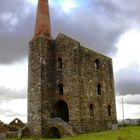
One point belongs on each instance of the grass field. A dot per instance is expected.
(124, 133)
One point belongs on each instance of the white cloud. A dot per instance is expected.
(9, 19)
(130, 110)
(68, 5)
(14, 109)
(32, 2)
(7, 95)
(128, 49)
(6, 16)
(132, 100)
(14, 76)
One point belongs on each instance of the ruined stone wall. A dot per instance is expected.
(67, 49)
(80, 79)
(40, 84)
(34, 88)
(91, 77)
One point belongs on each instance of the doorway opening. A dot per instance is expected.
(62, 111)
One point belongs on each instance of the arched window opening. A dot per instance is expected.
(60, 63)
(62, 110)
(97, 64)
(91, 108)
(60, 89)
(109, 110)
(99, 89)
(16, 121)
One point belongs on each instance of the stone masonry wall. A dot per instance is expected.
(91, 77)
(67, 49)
(34, 88)
(40, 84)
(79, 76)
(80, 79)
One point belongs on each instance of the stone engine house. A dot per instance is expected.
(70, 87)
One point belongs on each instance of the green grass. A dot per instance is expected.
(124, 133)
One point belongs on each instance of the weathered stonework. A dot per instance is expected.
(70, 88)
(79, 78)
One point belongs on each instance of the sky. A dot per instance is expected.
(109, 27)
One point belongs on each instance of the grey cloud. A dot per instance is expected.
(127, 81)
(91, 28)
(16, 28)
(119, 9)
(12, 94)
(97, 24)
(137, 114)
(10, 113)
(132, 100)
